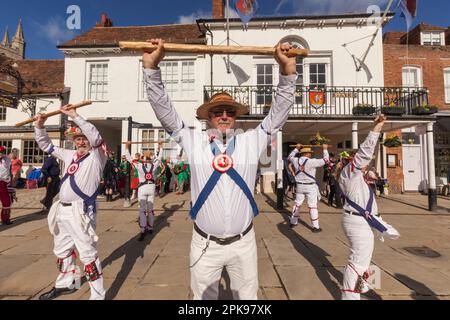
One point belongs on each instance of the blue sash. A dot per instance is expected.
(214, 179)
(89, 201)
(366, 213)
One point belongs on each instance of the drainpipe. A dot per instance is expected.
(432, 194)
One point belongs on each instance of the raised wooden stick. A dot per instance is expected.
(144, 142)
(205, 49)
(310, 145)
(53, 113)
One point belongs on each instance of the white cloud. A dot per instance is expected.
(306, 7)
(200, 14)
(55, 30)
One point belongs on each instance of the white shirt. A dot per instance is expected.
(5, 169)
(310, 167)
(139, 166)
(227, 211)
(352, 183)
(89, 173)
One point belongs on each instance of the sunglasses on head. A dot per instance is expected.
(219, 112)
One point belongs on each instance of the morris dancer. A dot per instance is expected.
(5, 180)
(360, 215)
(305, 176)
(146, 188)
(72, 219)
(223, 167)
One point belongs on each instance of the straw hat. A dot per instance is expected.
(73, 132)
(306, 150)
(220, 99)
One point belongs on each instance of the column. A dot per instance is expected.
(355, 135)
(432, 195)
(279, 168)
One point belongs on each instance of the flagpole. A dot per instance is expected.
(228, 33)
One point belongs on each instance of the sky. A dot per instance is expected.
(45, 26)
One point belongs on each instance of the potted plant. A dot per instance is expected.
(364, 109)
(425, 110)
(392, 109)
(318, 140)
(392, 142)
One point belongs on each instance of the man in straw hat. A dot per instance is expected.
(360, 218)
(146, 188)
(223, 167)
(72, 219)
(307, 187)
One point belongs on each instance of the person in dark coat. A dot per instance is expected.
(51, 172)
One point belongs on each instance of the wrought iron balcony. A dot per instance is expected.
(339, 101)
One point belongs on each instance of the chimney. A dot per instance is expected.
(105, 22)
(218, 9)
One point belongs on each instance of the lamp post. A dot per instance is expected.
(127, 202)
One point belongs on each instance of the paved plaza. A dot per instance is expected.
(294, 264)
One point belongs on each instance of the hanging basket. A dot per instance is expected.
(392, 142)
(424, 110)
(393, 111)
(364, 110)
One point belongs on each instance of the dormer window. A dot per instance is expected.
(432, 38)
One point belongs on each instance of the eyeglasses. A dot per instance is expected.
(219, 113)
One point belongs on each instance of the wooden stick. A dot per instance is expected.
(144, 142)
(310, 145)
(205, 49)
(53, 113)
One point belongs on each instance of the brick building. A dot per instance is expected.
(420, 58)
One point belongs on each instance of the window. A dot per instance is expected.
(3, 113)
(178, 78)
(432, 38)
(412, 77)
(7, 144)
(32, 153)
(317, 75)
(447, 84)
(148, 135)
(264, 73)
(187, 79)
(169, 149)
(299, 97)
(98, 81)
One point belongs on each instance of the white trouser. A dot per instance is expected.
(361, 239)
(311, 193)
(146, 196)
(69, 237)
(240, 259)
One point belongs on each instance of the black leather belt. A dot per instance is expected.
(66, 204)
(223, 241)
(307, 183)
(357, 214)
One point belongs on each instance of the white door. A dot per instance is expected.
(412, 167)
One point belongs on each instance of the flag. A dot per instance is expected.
(239, 73)
(409, 11)
(246, 9)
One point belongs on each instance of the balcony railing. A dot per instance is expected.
(328, 100)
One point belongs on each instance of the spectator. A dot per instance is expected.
(16, 166)
(51, 173)
(5, 179)
(123, 171)
(135, 176)
(168, 176)
(109, 176)
(183, 177)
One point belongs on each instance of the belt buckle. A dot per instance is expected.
(222, 241)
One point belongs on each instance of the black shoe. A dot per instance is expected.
(7, 223)
(142, 236)
(150, 231)
(317, 230)
(292, 225)
(56, 292)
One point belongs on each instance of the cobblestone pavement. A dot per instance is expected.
(293, 263)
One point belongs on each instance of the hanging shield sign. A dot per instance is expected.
(316, 99)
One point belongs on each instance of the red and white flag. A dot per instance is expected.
(409, 11)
